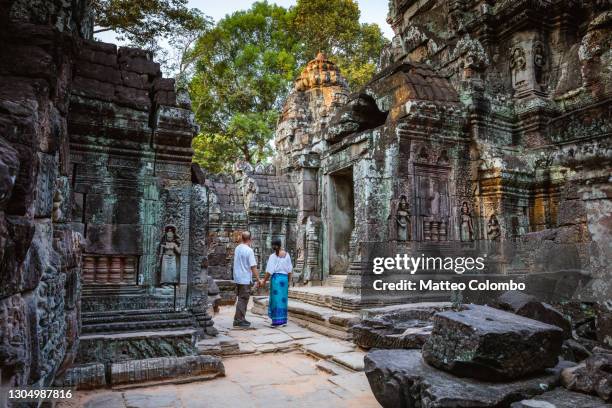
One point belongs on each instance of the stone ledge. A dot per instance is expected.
(83, 377)
(111, 348)
(319, 319)
(165, 370)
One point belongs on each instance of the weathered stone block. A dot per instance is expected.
(9, 167)
(528, 306)
(490, 344)
(99, 72)
(83, 377)
(571, 212)
(132, 97)
(167, 98)
(402, 379)
(603, 322)
(47, 318)
(592, 376)
(561, 398)
(45, 185)
(98, 52)
(93, 88)
(15, 350)
(14, 277)
(166, 369)
(110, 239)
(30, 60)
(137, 60)
(395, 327)
(163, 84)
(134, 80)
(23, 194)
(105, 209)
(109, 348)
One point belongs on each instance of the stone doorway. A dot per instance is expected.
(342, 220)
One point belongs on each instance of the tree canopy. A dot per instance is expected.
(144, 22)
(245, 67)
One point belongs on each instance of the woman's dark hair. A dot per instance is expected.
(276, 242)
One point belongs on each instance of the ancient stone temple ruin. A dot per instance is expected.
(486, 130)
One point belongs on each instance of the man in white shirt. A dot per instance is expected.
(245, 272)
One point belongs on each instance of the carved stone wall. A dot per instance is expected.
(40, 248)
(487, 119)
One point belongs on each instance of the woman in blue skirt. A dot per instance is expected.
(279, 268)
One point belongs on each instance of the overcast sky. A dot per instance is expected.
(372, 11)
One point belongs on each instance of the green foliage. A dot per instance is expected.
(243, 71)
(332, 26)
(144, 22)
(246, 65)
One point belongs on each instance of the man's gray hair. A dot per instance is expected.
(246, 236)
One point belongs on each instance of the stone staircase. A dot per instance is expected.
(127, 330)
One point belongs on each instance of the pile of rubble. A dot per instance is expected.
(519, 353)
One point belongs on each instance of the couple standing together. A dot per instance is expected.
(278, 268)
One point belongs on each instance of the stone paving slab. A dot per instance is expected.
(106, 400)
(275, 338)
(139, 399)
(352, 382)
(352, 360)
(327, 349)
(331, 367)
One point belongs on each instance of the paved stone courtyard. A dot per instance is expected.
(265, 367)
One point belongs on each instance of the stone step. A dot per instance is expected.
(144, 315)
(319, 319)
(100, 303)
(136, 345)
(118, 321)
(335, 280)
(97, 290)
(326, 296)
(118, 327)
(142, 373)
(165, 370)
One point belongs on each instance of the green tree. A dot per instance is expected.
(247, 63)
(333, 26)
(244, 68)
(144, 22)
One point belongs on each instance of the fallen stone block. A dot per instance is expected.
(396, 327)
(378, 333)
(528, 306)
(402, 379)
(574, 351)
(165, 370)
(561, 398)
(490, 344)
(592, 376)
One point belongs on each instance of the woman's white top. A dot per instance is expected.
(277, 264)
